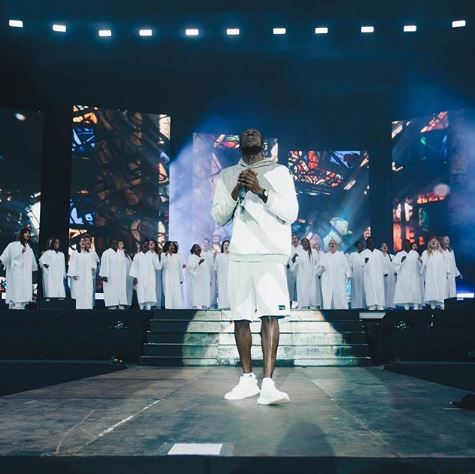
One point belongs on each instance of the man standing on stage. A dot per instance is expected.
(258, 196)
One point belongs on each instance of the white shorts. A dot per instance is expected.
(257, 289)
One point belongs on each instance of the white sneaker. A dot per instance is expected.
(270, 395)
(246, 388)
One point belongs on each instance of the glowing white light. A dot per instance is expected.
(59, 28)
(459, 24)
(232, 31)
(465, 295)
(20, 117)
(410, 28)
(367, 29)
(105, 33)
(145, 32)
(15, 23)
(279, 31)
(192, 32)
(321, 30)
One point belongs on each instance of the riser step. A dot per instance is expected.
(218, 327)
(230, 352)
(180, 362)
(285, 338)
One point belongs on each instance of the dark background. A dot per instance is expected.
(336, 92)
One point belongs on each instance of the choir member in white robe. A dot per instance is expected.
(153, 250)
(335, 272)
(304, 266)
(172, 276)
(128, 264)
(389, 277)
(408, 283)
(96, 261)
(221, 266)
(373, 276)
(196, 279)
(356, 261)
(317, 255)
(114, 277)
(20, 263)
(454, 271)
(435, 268)
(82, 269)
(144, 266)
(209, 274)
(53, 264)
(291, 284)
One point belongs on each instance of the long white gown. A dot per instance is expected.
(114, 268)
(389, 281)
(373, 278)
(158, 283)
(143, 269)
(454, 273)
(197, 282)
(19, 266)
(209, 275)
(358, 300)
(82, 266)
(334, 277)
(408, 284)
(305, 271)
(291, 281)
(435, 269)
(221, 265)
(54, 275)
(95, 263)
(172, 277)
(130, 279)
(318, 278)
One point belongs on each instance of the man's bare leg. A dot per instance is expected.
(270, 333)
(242, 334)
(270, 342)
(247, 386)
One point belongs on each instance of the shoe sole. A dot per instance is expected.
(243, 398)
(279, 401)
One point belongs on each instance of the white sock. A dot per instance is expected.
(250, 374)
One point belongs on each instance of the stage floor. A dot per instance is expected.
(144, 411)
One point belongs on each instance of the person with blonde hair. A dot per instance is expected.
(435, 269)
(335, 272)
(454, 271)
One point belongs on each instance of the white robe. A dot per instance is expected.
(95, 263)
(209, 276)
(454, 273)
(318, 280)
(221, 265)
(114, 268)
(197, 280)
(358, 300)
(158, 283)
(291, 281)
(130, 279)
(435, 269)
(373, 277)
(82, 266)
(408, 283)
(54, 275)
(305, 271)
(334, 278)
(389, 280)
(172, 277)
(19, 266)
(143, 269)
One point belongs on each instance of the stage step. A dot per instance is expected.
(204, 338)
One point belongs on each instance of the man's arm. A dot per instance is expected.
(223, 203)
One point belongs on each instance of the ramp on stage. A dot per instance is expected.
(339, 420)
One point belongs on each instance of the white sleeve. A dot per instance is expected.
(223, 203)
(133, 272)
(104, 272)
(282, 201)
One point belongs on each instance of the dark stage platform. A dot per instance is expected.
(339, 420)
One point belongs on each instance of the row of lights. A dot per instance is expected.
(321, 30)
